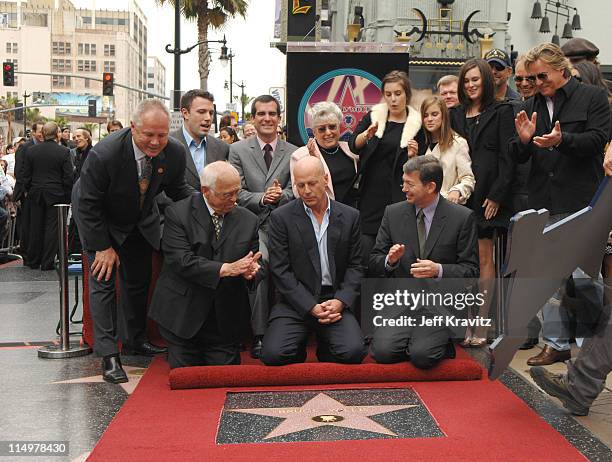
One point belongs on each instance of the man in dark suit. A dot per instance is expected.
(47, 179)
(198, 110)
(424, 237)
(19, 193)
(119, 226)
(563, 130)
(263, 164)
(210, 254)
(315, 260)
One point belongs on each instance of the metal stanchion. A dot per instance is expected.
(65, 349)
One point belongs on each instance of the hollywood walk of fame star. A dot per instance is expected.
(323, 410)
(134, 375)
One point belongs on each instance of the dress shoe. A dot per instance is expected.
(556, 385)
(256, 347)
(143, 349)
(529, 343)
(112, 371)
(549, 356)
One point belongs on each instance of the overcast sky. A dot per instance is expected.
(255, 62)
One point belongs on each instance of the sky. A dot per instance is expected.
(248, 39)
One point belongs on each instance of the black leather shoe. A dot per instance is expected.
(529, 344)
(144, 349)
(112, 371)
(256, 347)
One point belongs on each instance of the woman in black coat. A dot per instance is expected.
(383, 140)
(487, 126)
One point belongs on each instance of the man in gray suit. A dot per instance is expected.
(198, 113)
(263, 164)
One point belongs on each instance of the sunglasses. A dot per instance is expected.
(529, 78)
(498, 67)
(543, 76)
(324, 128)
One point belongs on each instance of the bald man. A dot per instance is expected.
(211, 260)
(315, 260)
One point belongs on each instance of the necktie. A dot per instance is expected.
(268, 155)
(216, 219)
(421, 231)
(145, 179)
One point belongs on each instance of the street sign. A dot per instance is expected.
(279, 94)
(176, 120)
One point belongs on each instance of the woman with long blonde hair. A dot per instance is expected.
(450, 149)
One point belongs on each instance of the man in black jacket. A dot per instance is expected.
(119, 226)
(315, 260)
(47, 179)
(210, 248)
(19, 193)
(563, 130)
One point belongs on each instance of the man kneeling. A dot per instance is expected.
(315, 260)
(424, 237)
(210, 259)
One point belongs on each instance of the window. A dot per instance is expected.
(109, 50)
(86, 83)
(11, 47)
(62, 48)
(86, 65)
(109, 66)
(93, 49)
(150, 85)
(61, 65)
(12, 94)
(87, 49)
(60, 81)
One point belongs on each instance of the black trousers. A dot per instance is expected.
(286, 339)
(127, 322)
(206, 348)
(42, 242)
(424, 346)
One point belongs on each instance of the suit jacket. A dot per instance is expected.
(492, 164)
(189, 285)
(452, 240)
(248, 158)
(19, 166)
(215, 150)
(106, 200)
(564, 179)
(295, 263)
(47, 173)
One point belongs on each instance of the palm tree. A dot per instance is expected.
(213, 13)
(9, 116)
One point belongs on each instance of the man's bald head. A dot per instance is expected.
(310, 182)
(309, 165)
(220, 186)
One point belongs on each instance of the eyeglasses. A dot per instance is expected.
(324, 128)
(498, 67)
(543, 76)
(529, 78)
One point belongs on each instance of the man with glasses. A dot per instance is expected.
(502, 70)
(263, 164)
(563, 130)
(525, 82)
(211, 258)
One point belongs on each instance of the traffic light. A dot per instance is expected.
(92, 110)
(18, 112)
(107, 83)
(8, 74)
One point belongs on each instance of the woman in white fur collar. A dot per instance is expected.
(384, 140)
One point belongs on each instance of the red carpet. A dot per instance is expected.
(318, 373)
(481, 420)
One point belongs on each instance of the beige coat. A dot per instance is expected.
(303, 152)
(457, 168)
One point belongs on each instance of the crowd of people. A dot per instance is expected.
(262, 237)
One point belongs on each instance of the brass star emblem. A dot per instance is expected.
(323, 410)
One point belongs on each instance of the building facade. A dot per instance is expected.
(156, 76)
(52, 36)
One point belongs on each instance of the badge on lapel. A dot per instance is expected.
(160, 170)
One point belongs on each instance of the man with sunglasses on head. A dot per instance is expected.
(563, 129)
(263, 164)
(502, 70)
